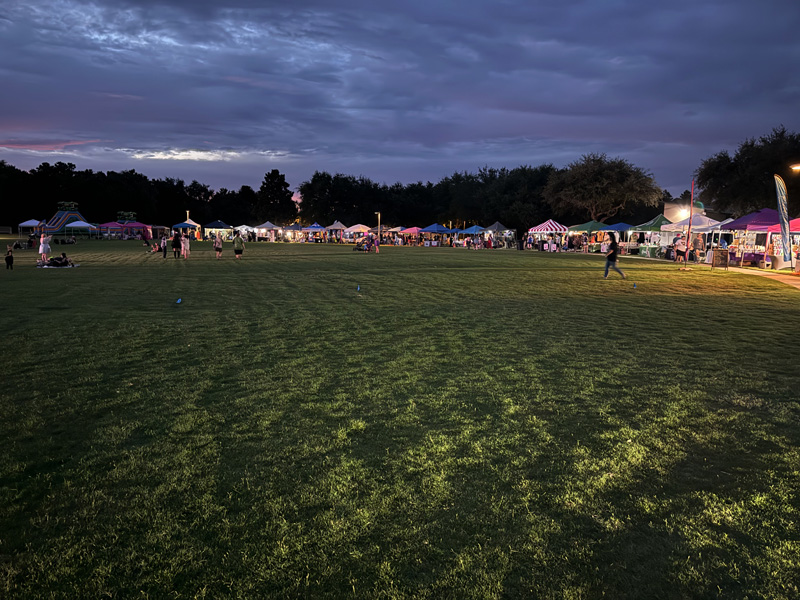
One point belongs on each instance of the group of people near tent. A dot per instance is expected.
(754, 239)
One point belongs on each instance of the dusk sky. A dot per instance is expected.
(407, 91)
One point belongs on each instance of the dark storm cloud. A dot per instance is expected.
(415, 91)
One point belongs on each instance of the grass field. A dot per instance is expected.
(422, 423)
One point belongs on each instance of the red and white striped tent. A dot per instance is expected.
(549, 226)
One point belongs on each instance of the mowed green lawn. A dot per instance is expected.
(467, 424)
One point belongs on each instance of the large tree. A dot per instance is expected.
(600, 188)
(743, 183)
(274, 200)
(347, 198)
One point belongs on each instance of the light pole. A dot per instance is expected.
(378, 245)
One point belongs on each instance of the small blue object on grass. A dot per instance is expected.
(634, 287)
(179, 300)
(358, 288)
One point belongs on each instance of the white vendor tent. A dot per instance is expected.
(30, 224)
(357, 229)
(697, 221)
(267, 226)
(80, 225)
(710, 228)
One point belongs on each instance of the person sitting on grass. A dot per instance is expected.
(60, 261)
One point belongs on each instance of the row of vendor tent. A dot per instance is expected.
(551, 226)
(435, 228)
(765, 220)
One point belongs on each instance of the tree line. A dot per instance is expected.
(594, 187)
(519, 197)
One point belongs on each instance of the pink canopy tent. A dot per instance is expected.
(411, 230)
(757, 221)
(794, 227)
(778, 260)
(549, 226)
(147, 232)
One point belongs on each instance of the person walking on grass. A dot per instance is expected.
(164, 244)
(10, 258)
(176, 244)
(238, 245)
(185, 245)
(611, 255)
(218, 245)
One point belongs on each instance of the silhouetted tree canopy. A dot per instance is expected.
(743, 183)
(600, 188)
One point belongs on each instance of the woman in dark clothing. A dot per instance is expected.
(176, 244)
(611, 255)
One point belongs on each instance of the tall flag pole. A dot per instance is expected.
(691, 216)
(783, 216)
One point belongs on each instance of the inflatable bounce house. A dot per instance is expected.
(67, 213)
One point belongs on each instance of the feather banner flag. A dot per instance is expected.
(783, 215)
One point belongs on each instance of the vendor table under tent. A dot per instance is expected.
(267, 229)
(652, 236)
(749, 232)
(313, 230)
(508, 235)
(191, 226)
(777, 260)
(217, 228)
(432, 230)
(132, 227)
(543, 229)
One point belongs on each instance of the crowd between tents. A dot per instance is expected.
(755, 239)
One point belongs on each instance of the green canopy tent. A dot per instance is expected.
(588, 227)
(652, 230)
(653, 224)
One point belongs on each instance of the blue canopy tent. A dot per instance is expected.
(316, 232)
(435, 228)
(185, 226)
(292, 232)
(218, 228)
(474, 230)
(620, 228)
(217, 225)
(617, 227)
